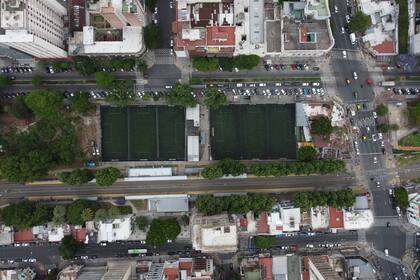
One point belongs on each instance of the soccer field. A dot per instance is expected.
(253, 132)
(143, 133)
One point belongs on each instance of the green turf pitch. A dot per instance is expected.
(143, 133)
(253, 132)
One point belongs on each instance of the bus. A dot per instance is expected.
(387, 84)
(137, 251)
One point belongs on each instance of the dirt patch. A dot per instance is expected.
(86, 127)
(8, 122)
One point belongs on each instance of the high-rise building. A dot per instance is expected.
(35, 27)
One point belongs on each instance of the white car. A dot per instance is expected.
(378, 184)
(344, 54)
(380, 136)
(374, 137)
(386, 252)
(375, 115)
(355, 75)
(335, 8)
(309, 245)
(103, 244)
(343, 31)
(375, 160)
(347, 18)
(382, 143)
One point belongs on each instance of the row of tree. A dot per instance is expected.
(104, 177)
(235, 204)
(26, 214)
(235, 168)
(210, 64)
(337, 199)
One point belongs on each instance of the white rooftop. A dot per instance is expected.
(116, 229)
(358, 219)
(159, 171)
(193, 113)
(320, 217)
(193, 148)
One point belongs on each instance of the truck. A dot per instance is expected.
(387, 84)
(353, 38)
(137, 251)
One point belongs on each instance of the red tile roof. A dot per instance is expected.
(23, 236)
(243, 222)
(262, 225)
(186, 265)
(220, 36)
(336, 218)
(385, 47)
(266, 265)
(171, 273)
(303, 37)
(79, 234)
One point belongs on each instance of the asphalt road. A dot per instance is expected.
(198, 186)
(165, 22)
(256, 73)
(338, 20)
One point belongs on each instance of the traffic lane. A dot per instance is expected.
(319, 238)
(120, 249)
(45, 254)
(165, 21)
(59, 87)
(256, 73)
(280, 184)
(66, 76)
(382, 202)
(391, 238)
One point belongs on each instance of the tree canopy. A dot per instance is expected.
(45, 103)
(76, 208)
(162, 230)
(76, 177)
(246, 62)
(80, 102)
(360, 22)
(338, 199)
(121, 93)
(68, 247)
(205, 64)
(381, 110)
(212, 172)
(20, 110)
(152, 36)
(214, 98)
(180, 95)
(307, 153)
(321, 126)
(59, 215)
(235, 204)
(26, 214)
(141, 222)
(29, 155)
(401, 197)
(4, 81)
(107, 176)
(36, 81)
(264, 242)
(104, 80)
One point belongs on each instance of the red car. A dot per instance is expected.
(369, 82)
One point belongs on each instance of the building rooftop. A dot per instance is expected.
(317, 9)
(322, 264)
(116, 229)
(336, 218)
(312, 35)
(13, 14)
(358, 219)
(173, 204)
(319, 218)
(280, 267)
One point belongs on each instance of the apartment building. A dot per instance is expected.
(204, 28)
(263, 28)
(413, 210)
(35, 27)
(110, 27)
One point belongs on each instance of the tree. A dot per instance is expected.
(205, 64)
(85, 65)
(75, 209)
(226, 63)
(25, 214)
(307, 153)
(360, 22)
(41, 215)
(59, 215)
(68, 247)
(81, 103)
(4, 81)
(141, 66)
(20, 110)
(151, 4)
(232, 167)
(114, 212)
(338, 199)
(141, 222)
(87, 214)
(381, 110)
(401, 197)
(383, 127)
(152, 36)
(107, 176)
(36, 81)
(264, 242)
(302, 200)
(104, 80)
(180, 95)
(162, 230)
(212, 172)
(121, 93)
(321, 126)
(247, 62)
(45, 103)
(76, 177)
(101, 214)
(214, 98)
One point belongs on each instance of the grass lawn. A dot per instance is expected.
(408, 159)
(403, 26)
(412, 140)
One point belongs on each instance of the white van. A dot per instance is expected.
(353, 38)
